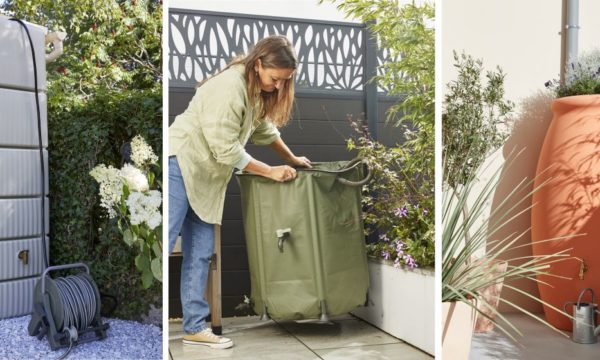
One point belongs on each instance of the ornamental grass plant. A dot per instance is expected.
(465, 273)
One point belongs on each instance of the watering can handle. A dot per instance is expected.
(565, 306)
(581, 296)
(61, 267)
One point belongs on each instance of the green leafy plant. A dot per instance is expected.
(474, 120)
(582, 76)
(132, 195)
(105, 89)
(465, 272)
(399, 201)
(394, 206)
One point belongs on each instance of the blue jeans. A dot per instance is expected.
(197, 242)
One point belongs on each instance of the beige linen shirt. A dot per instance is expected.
(208, 139)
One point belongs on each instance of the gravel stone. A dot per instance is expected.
(125, 340)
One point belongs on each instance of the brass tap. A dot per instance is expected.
(24, 256)
(582, 268)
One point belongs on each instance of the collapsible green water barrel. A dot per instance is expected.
(305, 241)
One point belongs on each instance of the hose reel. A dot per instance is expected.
(67, 309)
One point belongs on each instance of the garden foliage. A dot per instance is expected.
(475, 118)
(132, 195)
(399, 202)
(104, 90)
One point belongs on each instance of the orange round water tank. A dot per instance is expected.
(569, 203)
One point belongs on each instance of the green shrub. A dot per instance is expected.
(396, 205)
(474, 120)
(404, 174)
(80, 138)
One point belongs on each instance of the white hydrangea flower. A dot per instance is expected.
(111, 187)
(143, 208)
(154, 221)
(135, 178)
(141, 153)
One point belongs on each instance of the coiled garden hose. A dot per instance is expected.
(79, 305)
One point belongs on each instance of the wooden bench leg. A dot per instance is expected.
(215, 285)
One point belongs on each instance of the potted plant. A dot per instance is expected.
(569, 204)
(463, 279)
(476, 122)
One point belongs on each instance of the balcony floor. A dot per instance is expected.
(346, 338)
(537, 342)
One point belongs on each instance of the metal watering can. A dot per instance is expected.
(585, 330)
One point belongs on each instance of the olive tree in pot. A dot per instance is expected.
(475, 125)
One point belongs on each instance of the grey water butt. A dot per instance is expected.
(21, 153)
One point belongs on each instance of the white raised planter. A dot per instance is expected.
(401, 303)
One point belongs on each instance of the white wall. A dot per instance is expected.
(520, 36)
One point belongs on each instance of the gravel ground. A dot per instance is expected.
(125, 340)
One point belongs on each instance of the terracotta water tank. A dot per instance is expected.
(569, 203)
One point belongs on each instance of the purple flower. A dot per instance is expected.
(385, 254)
(409, 261)
(401, 212)
(384, 238)
(397, 262)
(425, 212)
(399, 247)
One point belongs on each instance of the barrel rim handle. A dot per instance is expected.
(351, 165)
(359, 182)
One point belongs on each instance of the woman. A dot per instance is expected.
(249, 99)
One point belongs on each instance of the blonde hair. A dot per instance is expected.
(274, 52)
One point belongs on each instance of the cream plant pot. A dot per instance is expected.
(458, 320)
(401, 303)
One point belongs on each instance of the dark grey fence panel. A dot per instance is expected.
(331, 56)
(330, 90)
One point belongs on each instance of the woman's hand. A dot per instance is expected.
(282, 173)
(301, 161)
(288, 156)
(278, 173)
